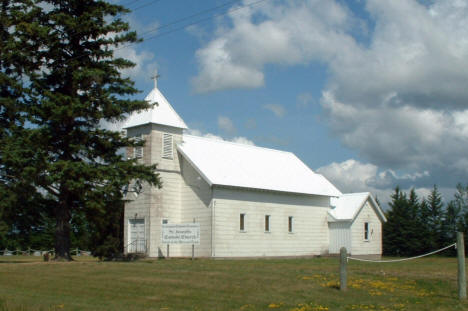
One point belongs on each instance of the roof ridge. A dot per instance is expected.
(239, 144)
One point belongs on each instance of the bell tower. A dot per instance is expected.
(161, 128)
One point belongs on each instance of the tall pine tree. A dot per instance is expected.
(58, 79)
(394, 239)
(432, 212)
(402, 233)
(415, 232)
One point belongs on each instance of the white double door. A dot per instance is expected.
(137, 237)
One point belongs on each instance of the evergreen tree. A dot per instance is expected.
(394, 240)
(416, 229)
(403, 232)
(25, 220)
(107, 232)
(58, 80)
(433, 211)
(460, 202)
(451, 224)
(16, 56)
(456, 215)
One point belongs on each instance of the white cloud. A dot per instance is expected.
(278, 110)
(219, 72)
(354, 176)
(406, 137)
(290, 34)
(144, 64)
(238, 139)
(396, 93)
(226, 125)
(243, 140)
(350, 175)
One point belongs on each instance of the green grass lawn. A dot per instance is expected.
(26, 283)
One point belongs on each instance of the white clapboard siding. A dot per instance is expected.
(157, 152)
(165, 205)
(340, 235)
(374, 244)
(310, 231)
(195, 204)
(138, 207)
(155, 204)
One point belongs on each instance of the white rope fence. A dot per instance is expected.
(461, 274)
(404, 259)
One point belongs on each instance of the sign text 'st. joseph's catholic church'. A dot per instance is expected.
(181, 233)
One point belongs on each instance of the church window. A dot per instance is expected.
(167, 151)
(242, 222)
(366, 231)
(267, 223)
(290, 224)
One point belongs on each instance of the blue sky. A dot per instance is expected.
(372, 94)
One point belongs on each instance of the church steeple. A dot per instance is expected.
(161, 113)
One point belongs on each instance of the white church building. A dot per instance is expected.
(249, 201)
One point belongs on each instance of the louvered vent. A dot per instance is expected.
(138, 151)
(167, 146)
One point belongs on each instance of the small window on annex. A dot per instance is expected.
(267, 223)
(290, 224)
(366, 231)
(242, 222)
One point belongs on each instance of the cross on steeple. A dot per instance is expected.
(155, 78)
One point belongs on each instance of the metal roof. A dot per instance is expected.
(161, 113)
(348, 205)
(237, 165)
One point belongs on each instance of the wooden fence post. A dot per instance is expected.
(461, 266)
(343, 269)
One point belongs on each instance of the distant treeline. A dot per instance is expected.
(419, 225)
(28, 224)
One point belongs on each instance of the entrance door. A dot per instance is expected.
(137, 238)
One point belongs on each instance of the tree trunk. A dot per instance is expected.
(62, 232)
